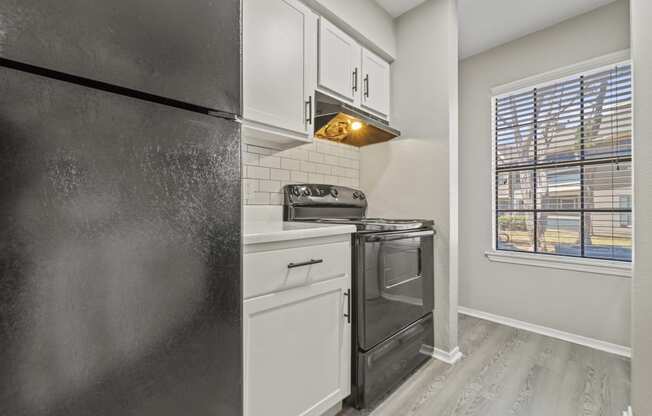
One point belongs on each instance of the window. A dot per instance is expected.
(563, 167)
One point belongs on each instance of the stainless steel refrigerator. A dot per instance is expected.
(120, 217)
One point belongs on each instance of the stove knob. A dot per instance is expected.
(296, 191)
(356, 195)
(306, 192)
(361, 196)
(334, 193)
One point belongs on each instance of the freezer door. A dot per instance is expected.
(184, 50)
(120, 288)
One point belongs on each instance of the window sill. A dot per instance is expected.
(606, 267)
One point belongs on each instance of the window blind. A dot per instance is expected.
(563, 167)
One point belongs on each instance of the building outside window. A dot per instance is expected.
(563, 166)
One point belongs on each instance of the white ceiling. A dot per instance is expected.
(397, 7)
(485, 24)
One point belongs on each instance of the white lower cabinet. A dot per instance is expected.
(297, 341)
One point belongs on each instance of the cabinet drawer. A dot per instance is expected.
(268, 271)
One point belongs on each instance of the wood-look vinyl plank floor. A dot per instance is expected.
(511, 372)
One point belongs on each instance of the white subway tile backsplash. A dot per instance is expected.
(308, 166)
(270, 161)
(267, 171)
(315, 178)
(316, 157)
(279, 174)
(323, 169)
(269, 186)
(344, 162)
(249, 186)
(346, 172)
(276, 198)
(296, 153)
(256, 172)
(257, 198)
(250, 158)
(290, 164)
(331, 160)
(297, 176)
(330, 179)
(327, 148)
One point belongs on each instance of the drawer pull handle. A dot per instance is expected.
(347, 315)
(305, 263)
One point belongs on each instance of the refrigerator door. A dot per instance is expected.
(120, 287)
(184, 50)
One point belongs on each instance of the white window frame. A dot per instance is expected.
(588, 265)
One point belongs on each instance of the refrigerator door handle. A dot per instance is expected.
(347, 315)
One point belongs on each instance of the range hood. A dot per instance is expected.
(343, 123)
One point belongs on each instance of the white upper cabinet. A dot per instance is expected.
(279, 70)
(350, 72)
(339, 63)
(375, 83)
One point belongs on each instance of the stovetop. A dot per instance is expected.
(331, 204)
(378, 224)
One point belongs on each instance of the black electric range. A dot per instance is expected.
(393, 286)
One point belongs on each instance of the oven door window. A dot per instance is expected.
(397, 284)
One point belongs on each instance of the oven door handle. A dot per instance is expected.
(398, 236)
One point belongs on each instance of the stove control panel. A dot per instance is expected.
(320, 194)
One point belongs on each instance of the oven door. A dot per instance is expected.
(394, 283)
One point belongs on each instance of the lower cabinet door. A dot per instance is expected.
(297, 350)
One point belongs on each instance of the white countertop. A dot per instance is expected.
(256, 232)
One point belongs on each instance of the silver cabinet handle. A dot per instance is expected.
(309, 110)
(366, 86)
(347, 315)
(305, 263)
(355, 80)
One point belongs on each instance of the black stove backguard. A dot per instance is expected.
(393, 287)
(315, 201)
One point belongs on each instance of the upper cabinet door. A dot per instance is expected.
(279, 65)
(375, 83)
(339, 63)
(186, 51)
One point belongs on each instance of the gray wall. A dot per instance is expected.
(642, 294)
(595, 306)
(408, 177)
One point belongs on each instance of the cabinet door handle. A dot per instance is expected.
(366, 86)
(355, 80)
(347, 315)
(309, 110)
(305, 263)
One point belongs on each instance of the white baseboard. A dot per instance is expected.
(333, 411)
(554, 333)
(448, 357)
